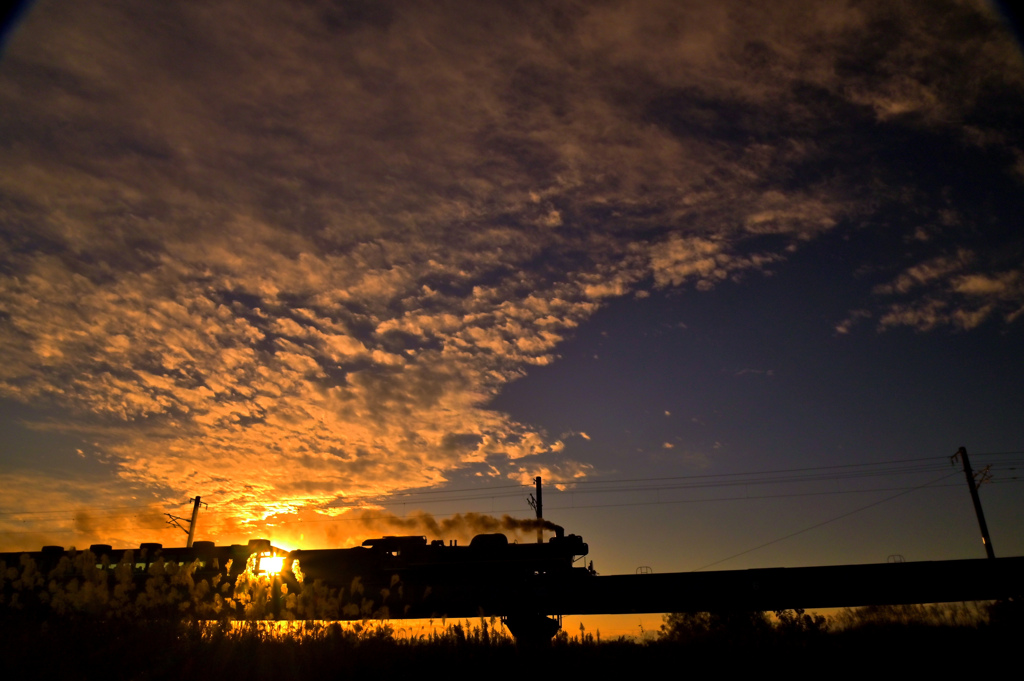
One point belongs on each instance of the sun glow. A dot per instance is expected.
(271, 564)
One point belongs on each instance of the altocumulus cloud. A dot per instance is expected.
(285, 253)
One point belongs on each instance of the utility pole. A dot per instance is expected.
(537, 504)
(192, 522)
(540, 512)
(971, 484)
(191, 531)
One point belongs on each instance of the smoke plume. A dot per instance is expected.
(459, 526)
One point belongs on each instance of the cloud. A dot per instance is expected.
(926, 273)
(952, 291)
(681, 259)
(561, 475)
(844, 327)
(285, 255)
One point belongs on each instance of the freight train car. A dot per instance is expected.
(207, 556)
(202, 581)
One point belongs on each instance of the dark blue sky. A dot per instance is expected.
(754, 377)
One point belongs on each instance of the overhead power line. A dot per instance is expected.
(825, 522)
(835, 473)
(364, 517)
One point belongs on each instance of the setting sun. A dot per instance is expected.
(271, 564)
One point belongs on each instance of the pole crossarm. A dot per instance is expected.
(191, 529)
(174, 521)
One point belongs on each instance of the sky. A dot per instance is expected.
(736, 281)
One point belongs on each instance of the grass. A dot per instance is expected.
(82, 647)
(82, 624)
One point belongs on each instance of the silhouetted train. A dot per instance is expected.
(408, 576)
(209, 557)
(492, 554)
(378, 563)
(387, 577)
(487, 556)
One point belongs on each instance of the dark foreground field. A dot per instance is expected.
(85, 618)
(875, 641)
